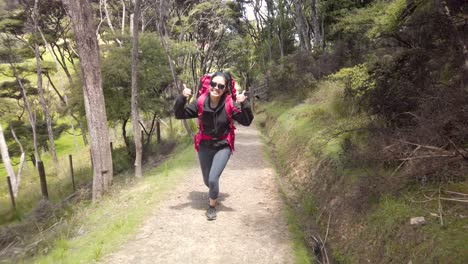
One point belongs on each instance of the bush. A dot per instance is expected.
(297, 74)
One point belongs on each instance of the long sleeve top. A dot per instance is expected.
(214, 120)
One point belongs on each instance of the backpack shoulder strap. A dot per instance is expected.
(229, 105)
(200, 102)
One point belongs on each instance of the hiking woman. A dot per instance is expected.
(214, 142)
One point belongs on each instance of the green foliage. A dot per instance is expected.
(357, 80)
(389, 20)
(291, 77)
(13, 22)
(23, 132)
(153, 78)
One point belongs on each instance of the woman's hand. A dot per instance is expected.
(241, 97)
(186, 92)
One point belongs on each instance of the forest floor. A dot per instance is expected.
(250, 226)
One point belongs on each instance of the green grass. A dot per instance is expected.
(108, 223)
(58, 178)
(304, 134)
(301, 253)
(429, 243)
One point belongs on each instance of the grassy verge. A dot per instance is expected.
(312, 142)
(97, 229)
(300, 251)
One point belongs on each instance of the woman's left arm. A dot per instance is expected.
(244, 116)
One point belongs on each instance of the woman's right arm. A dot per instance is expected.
(183, 110)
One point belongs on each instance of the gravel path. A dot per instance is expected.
(250, 227)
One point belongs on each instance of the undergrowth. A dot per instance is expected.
(313, 144)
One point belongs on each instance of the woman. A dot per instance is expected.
(214, 143)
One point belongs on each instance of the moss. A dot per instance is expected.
(301, 253)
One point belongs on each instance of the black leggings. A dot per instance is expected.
(212, 163)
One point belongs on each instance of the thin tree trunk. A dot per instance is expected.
(32, 118)
(73, 132)
(88, 49)
(302, 27)
(39, 86)
(109, 22)
(134, 100)
(124, 135)
(459, 37)
(20, 168)
(316, 25)
(6, 158)
(171, 63)
(131, 22)
(123, 17)
(83, 132)
(64, 97)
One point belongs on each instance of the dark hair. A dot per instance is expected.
(227, 78)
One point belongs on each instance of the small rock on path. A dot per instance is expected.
(250, 225)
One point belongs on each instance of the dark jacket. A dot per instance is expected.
(215, 121)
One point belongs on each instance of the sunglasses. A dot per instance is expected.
(220, 86)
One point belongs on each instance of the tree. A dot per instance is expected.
(134, 100)
(14, 178)
(14, 49)
(153, 80)
(88, 50)
(35, 16)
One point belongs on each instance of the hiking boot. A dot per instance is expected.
(211, 213)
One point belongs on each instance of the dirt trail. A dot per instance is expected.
(250, 227)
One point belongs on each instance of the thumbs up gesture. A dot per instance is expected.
(186, 92)
(241, 97)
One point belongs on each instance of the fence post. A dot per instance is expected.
(12, 196)
(42, 177)
(71, 171)
(91, 157)
(112, 154)
(142, 139)
(158, 131)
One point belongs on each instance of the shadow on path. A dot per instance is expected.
(199, 200)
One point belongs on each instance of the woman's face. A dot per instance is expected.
(215, 86)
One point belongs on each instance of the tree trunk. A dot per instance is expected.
(20, 168)
(32, 117)
(83, 132)
(88, 50)
(318, 38)
(6, 158)
(460, 41)
(124, 135)
(39, 86)
(161, 28)
(63, 98)
(270, 15)
(281, 15)
(123, 17)
(73, 132)
(134, 100)
(131, 22)
(302, 27)
(109, 22)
